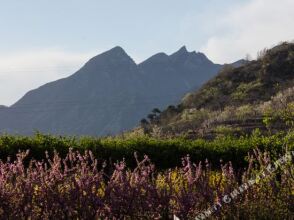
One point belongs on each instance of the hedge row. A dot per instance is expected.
(164, 153)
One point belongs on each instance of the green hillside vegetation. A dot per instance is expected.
(254, 82)
(259, 94)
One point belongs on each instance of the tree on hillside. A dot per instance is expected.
(156, 111)
(151, 117)
(144, 122)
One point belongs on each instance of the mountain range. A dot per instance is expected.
(108, 95)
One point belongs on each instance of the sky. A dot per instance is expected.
(44, 40)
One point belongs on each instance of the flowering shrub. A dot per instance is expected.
(78, 187)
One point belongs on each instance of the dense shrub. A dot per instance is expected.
(165, 153)
(73, 188)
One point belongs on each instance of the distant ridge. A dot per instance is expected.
(109, 94)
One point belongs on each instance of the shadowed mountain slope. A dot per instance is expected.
(108, 95)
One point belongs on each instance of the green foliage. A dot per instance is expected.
(223, 130)
(165, 153)
(283, 116)
(245, 111)
(195, 115)
(288, 114)
(244, 89)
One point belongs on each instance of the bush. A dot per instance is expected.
(73, 188)
(166, 153)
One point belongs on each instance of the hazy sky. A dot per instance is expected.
(43, 40)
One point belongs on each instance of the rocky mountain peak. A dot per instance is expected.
(112, 58)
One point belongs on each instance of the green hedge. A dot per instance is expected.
(165, 153)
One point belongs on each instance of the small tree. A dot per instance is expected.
(144, 122)
(171, 108)
(156, 111)
(151, 117)
(145, 126)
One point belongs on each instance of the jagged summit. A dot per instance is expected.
(183, 49)
(183, 56)
(181, 52)
(117, 51)
(180, 56)
(113, 57)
